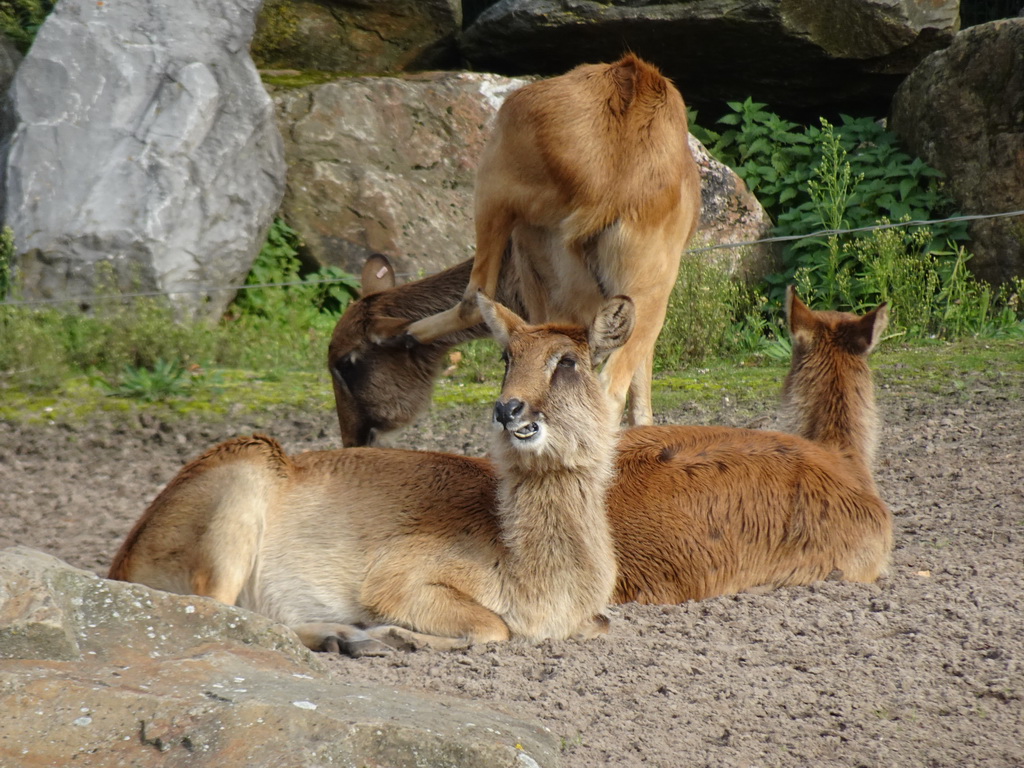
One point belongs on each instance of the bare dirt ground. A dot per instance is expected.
(923, 669)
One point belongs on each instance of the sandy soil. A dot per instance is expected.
(923, 669)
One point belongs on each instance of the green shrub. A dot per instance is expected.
(313, 300)
(782, 162)
(931, 293)
(855, 175)
(708, 315)
(21, 19)
(6, 260)
(164, 380)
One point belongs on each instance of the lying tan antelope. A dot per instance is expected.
(335, 538)
(588, 187)
(425, 540)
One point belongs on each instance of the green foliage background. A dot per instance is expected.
(809, 178)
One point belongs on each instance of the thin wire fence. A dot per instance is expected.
(91, 298)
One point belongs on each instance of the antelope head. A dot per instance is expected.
(553, 405)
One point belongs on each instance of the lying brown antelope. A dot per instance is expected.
(588, 186)
(757, 509)
(458, 553)
(380, 536)
(828, 395)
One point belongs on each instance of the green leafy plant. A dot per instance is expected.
(164, 380)
(790, 168)
(6, 260)
(773, 156)
(293, 298)
(21, 19)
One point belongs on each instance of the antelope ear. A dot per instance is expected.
(611, 327)
(378, 275)
(871, 327)
(383, 329)
(798, 316)
(501, 320)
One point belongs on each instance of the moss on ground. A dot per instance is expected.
(930, 368)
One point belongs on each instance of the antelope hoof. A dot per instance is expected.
(357, 644)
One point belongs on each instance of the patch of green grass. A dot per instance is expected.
(748, 386)
(215, 394)
(299, 79)
(969, 366)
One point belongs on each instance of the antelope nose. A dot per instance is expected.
(505, 411)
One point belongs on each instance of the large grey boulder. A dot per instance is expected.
(796, 53)
(962, 111)
(389, 165)
(357, 37)
(144, 141)
(102, 673)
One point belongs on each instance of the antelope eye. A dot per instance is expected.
(567, 362)
(346, 368)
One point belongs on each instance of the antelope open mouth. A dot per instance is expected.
(526, 431)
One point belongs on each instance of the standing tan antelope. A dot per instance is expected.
(589, 186)
(694, 511)
(297, 540)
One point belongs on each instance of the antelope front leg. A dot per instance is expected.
(374, 641)
(493, 229)
(340, 638)
(628, 370)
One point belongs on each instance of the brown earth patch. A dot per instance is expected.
(925, 668)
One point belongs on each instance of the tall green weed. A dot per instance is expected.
(708, 315)
(856, 175)
(781, 162)
(931, 293)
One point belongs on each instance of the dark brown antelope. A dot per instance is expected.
(382, 387)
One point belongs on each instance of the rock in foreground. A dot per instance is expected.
(106, 674)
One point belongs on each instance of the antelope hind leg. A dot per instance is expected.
(340, 638)
(494, 223)
(458, 318)
(374, 641)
